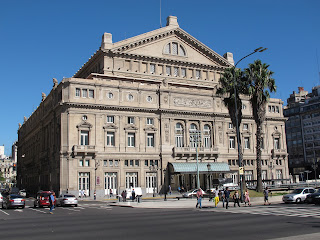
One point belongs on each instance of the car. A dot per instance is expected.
(314, 197)
(67, 199)
(13, 200)
(192, 193)
(42, 199)
(1, 197)
(299, 195)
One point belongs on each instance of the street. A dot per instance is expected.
(98, 220)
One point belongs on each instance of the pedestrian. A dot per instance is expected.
(82, 193)
(51, 201)
(179, 189)
(199, 198)
(123, 197)
(216, 197)
(110, 192)
(94, 195)
(236, 199)
(266, 196)
(133, 195)
(247, 198)
(169, 189)
(226, 197)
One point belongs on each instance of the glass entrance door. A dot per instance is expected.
(84, 183)
(110, 183)
(151, 183)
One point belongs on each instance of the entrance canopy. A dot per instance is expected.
(191, 167)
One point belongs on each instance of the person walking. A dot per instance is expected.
(216, 197)
(266, 196)
(170, 190)
(51, 201)
(133, 195)
(226, 197)
(199, 198)
(236, 199)
(94, 195)
(247, 198)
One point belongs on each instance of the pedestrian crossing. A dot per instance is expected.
(303, 212)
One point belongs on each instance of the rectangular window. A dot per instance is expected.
(276, 143)
(87, 163)
(136, 163)
(110, 119)
(230, 125)
(198, 74)
(232, 142)
(183, 72)
(131, 139)
(130, 120)
(81, 163)
(131, 163)
(175, 71)
(105, 163)
(150, 139)
(77, 92)
(110, 139)
(91, 93)
(277, 109)
(152, 68)
(149, 121)
(126, 163)
(146, 163)
(246, 143)
(156, 162)
(262, 143)
(84, 93)
(84, 137)
(168, 70)
(116, 163)
(245, 126)
(111, 163)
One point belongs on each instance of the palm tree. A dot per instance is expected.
(260, 82)
(228, 85)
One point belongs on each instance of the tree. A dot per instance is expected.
(226, 89)
(260, 82)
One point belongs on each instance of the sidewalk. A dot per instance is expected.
(186, 202)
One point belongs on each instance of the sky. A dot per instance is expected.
(41, 40)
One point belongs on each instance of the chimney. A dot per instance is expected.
(229, 57)
(301, 89)
(172, 21)
(106, 41)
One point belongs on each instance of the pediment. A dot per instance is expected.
(131, 128)
(84, 125)
(150, 129)
(110, 126)
(153, 44)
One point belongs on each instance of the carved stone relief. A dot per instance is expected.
(187, 102)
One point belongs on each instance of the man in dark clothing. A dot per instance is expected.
(227, 196)
(133, 195)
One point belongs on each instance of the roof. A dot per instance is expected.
(191, 167)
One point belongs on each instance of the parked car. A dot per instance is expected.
(67, 199)
(1, 197)
(192, 193)
(42, 199)
(298, 195)
(13, 200)
(314, 197)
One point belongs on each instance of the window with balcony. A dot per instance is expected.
(179, 135)
(84, 137)
(232, 142)
(206, 136)
(131, 139)
(246, 143)
(110, 139)
(150, 139)
(276, 143)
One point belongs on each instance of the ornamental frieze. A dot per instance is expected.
(195, 103)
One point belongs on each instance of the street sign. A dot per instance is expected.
(241, 170)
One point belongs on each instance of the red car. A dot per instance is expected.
(42, 199)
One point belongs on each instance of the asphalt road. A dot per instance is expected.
(97, 220)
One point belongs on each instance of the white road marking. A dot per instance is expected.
(37, 210)
(4, 212)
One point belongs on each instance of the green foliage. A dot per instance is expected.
(2, 179)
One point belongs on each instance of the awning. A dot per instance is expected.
(191, 167)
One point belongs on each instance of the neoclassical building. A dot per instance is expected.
(127, 117)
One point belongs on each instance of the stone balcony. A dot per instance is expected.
(85, 149)
(185, 151)
(279, 153)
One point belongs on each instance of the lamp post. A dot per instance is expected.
(154, 169)
(260, 49)
(195, 137)
(209, 175)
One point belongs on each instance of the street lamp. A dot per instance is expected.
(209, 175)
(260, 49)
(154, 169)
(195, 138)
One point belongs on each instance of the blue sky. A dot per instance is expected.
(40, 40)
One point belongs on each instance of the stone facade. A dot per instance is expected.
(127, 112)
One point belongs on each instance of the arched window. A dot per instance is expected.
(193, 127)
(175, 48)
(179, 135)
(206, 136)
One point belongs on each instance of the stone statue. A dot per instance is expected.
(55, 82)
(19, 125)
(25, 119)
(43, 96)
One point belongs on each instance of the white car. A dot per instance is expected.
(67, 199)
(298, 195)
(192, 193)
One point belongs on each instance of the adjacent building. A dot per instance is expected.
(129, 116)
(303, 133)
(8, 169)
